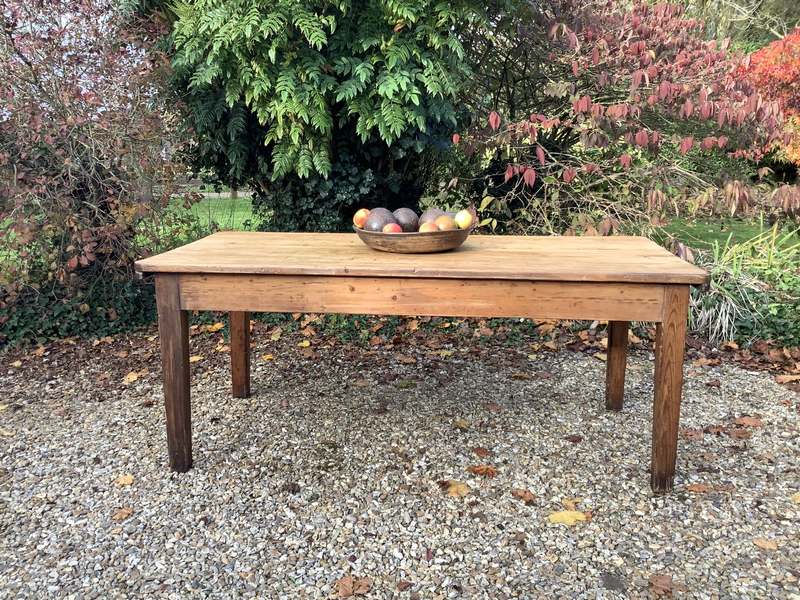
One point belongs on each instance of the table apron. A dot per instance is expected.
(422, 296)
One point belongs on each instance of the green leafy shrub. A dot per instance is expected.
(754, 291)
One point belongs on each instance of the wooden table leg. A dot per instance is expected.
(173, 331)
(617, 356)
(240, 353)
(670, 342)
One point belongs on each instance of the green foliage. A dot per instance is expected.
(363, 175)
(270, 84)
(754, 291)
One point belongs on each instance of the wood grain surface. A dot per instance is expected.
(422, 296)
(588, 259)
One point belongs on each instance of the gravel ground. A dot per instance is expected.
(330, 470)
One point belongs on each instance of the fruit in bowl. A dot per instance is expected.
(404, 231)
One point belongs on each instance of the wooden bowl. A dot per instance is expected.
(415, 242)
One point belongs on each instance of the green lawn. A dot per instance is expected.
(702, 234)
(226, 212)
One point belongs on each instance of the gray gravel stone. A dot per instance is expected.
(315, 477)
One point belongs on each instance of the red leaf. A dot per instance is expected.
(569, 174)
(641, 138)
(529, 176)
(509, 172)
(456, 139)
(625, 160)
(686, 145)
(540, 154)
(494, 120)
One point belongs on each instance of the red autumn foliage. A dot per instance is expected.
(625, 81)
(775, 71)
(83, 138)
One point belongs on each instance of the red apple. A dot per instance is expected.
(360, 217)
(392, 228)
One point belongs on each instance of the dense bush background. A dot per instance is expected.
(564, 117)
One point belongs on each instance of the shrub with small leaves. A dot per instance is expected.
(287, 75)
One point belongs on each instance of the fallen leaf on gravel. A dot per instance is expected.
(405, 359)
(483, 471)
(349, 586)
(6, 432)
(787, 378)
(526, 496)
(739, 434)
(698, 488)
(121, 354)
(461, 424)
(222, 348)
(453, 488)
(749, 422)
(304, 344)
(714, 383)
(122, 513)
(481, 451)
(570, 503)
(308, 353)
(3, 407)
(124, 480)
(215, 327)
(375, 340)
(267, 357)
(308, 331)
(133, 376)
(520, 376)
(574, 438)
(493, 407)
(412, 325)
(39, 352)
(403, 585)
(361, 382)
(196, 358)
(796, 498)
(692, 434)
(276, 334)
(662, 585)
(600, 356)
(765, 544)
(444, 353)
(17, 364)
(566, 517)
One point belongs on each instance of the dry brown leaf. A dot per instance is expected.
(749, 422)
(196, 358)
(482, 452)
(412, 325)
(699, 488)
(461, 424)
(133, 376)
(39, 352)
(740, 434)
(526, 496)
(487, 471)
(453, 488)
(349, 586)
(308, 331)
(222, 348)
(765, 544)
(124, 480)
(787, 378)
(520, 376)
(571, 503)
(375, 340)
(692, 434)
(796, 498)
(361, 382)
(567, 517)
(661, 585)
(405, 359)
(122, 513)
(267, 357)
(403, 585)
(600, 356)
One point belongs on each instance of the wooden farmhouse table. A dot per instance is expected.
(614, 279)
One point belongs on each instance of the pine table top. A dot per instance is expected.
(623, 259)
